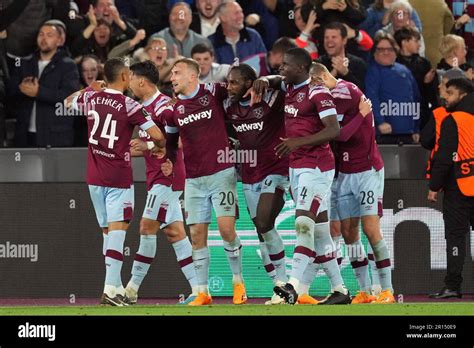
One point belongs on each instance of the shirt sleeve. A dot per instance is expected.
(219, 90)
(80, 101)
(323, 100)
(137, 115)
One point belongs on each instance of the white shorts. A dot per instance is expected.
(360, 194)
(218, 190)
(162, 204)
(271, 184)
(333, 215)
(112, 204)
(310, 188)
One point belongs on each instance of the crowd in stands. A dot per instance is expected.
(396, 51)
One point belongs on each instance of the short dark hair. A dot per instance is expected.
(382, 35)
(301, 57)
(462, 84)
(283, 44)
(247, 72)
(337, 26)
(148, 70)
(405, 34)
(112, 69)
(202, 48)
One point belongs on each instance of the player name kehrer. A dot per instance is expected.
(107, 101)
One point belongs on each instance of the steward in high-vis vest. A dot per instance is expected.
(452, 172)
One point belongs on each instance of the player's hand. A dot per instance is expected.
(158, 152)
(167, 167)
(286, 146)
(138, 145)
(98, 85)
(385, 128)
(432, 196)
(365, 106)
(257, 90)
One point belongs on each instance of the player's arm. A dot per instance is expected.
(329, 132)
(260, 86)
(157, 137)
(138, 147)
(69, 102)
(365, 108)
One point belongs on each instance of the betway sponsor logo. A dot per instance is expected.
(290, 109)
(195, 117)
(249, 127)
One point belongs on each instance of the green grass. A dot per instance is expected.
(443, 309)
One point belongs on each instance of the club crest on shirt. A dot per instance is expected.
(258, 112)
(300, 97)
(180, 109)
(204, 100)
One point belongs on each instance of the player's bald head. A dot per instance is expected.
(113, 68)
(300, 57)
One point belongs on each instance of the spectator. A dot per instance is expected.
(339, 63)
(377, 19)
(23, 31)
(206, 20)
(157, 52)
(463, 12)
(7, 16)
(394, 94)
(128, 46)
(90, 70)
(437, 21)
(269, 63)
(178, 33)
(349, 12)
(259, 17)
(281, 10)
(105, 11)
(41, 84)
(306, 22)
(408, 39)
(232, 39)
(399, 15)
(152, 15)
(210, 70)
(454, 54)
(96, 39)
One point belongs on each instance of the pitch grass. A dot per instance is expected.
(440, 309)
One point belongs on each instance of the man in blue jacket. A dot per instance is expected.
(394, 94)
(39, 85)
(232, 39)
